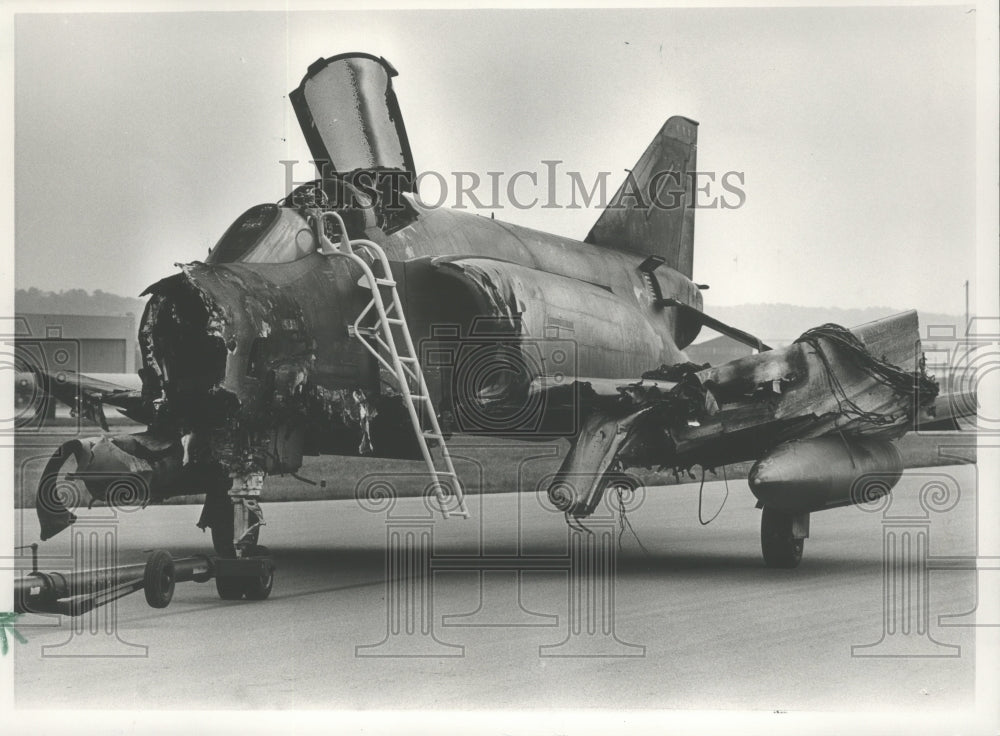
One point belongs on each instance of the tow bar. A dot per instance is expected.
(76, 593)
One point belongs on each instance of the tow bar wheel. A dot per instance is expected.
(159, 579)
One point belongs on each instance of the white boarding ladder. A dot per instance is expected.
(402, 364)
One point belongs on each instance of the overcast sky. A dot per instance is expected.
(139, 138)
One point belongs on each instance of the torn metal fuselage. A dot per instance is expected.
(254, 367)
(248, 361)
(246, 368)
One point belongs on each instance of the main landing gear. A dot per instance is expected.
(782, 537)
(245, 568)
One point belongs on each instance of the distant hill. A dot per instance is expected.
(787, 321)
(76, 301)
(774, 321)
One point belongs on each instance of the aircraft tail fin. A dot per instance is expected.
(651, 212)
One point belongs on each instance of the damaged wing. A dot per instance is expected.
(132, 469)
(87, 395)
(865, 387)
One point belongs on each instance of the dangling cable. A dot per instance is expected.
(624, 523)
(724, 498)
(905, 385)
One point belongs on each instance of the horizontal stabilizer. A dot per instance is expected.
(712, 323)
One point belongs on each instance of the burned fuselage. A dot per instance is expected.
(271, 350)
(238, 354)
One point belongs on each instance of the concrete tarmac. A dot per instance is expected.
(691, 619)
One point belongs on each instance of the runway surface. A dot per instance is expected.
(704, 624)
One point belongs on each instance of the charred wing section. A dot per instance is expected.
(130, 470)
(865, 387)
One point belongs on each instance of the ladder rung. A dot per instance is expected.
(406, 367)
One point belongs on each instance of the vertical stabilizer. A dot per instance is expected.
(652, 212)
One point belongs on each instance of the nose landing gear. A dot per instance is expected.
(245, 569)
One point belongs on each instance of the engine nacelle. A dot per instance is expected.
(824, 473)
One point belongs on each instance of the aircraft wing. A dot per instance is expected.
(87, 394)
(845, 396)
(923, 450)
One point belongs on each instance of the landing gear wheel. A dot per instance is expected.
(780, 547)
(255, 588)
(158, 579)
(259, 588)
(230, 588)
(234, 587)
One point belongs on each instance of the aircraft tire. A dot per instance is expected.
(230, 587)
(158, 579)
(259, 588)
(780, 548)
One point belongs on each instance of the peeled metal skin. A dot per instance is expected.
(826, 472)
(119, 470)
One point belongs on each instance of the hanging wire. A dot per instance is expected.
(903, 384)
(724, 498)
(624, 523)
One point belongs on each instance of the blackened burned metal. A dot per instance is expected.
(296, 337)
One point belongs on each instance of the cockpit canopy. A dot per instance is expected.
(266, 233)
(350, 117)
